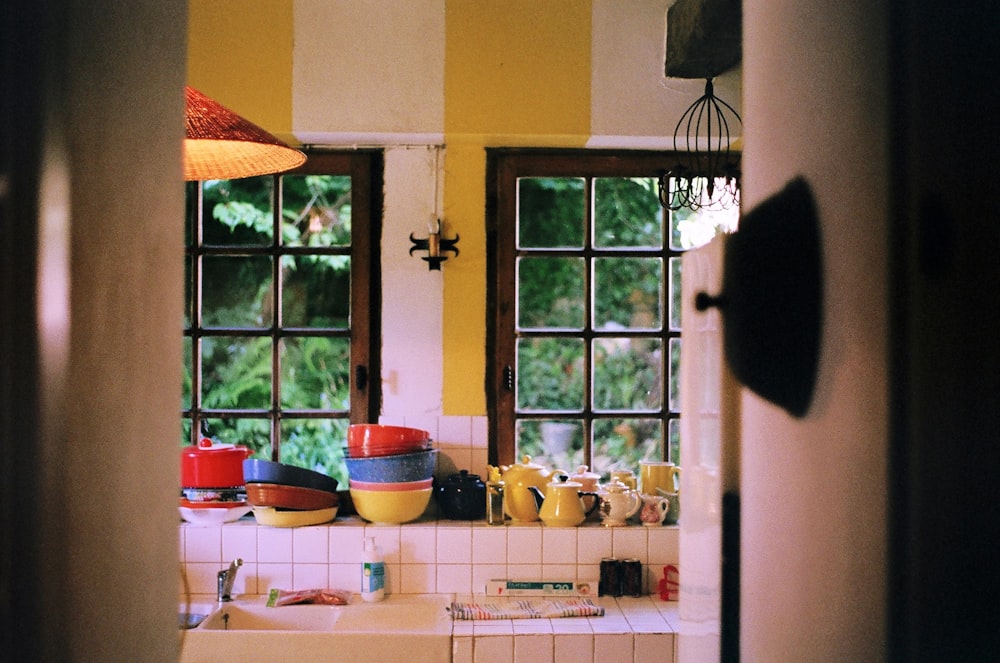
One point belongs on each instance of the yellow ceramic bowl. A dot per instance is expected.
(391, 507)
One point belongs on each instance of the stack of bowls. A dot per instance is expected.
(391, 470)
(288, 496)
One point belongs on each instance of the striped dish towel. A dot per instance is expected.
(526, 609)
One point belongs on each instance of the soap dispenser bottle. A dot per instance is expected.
(372, 571)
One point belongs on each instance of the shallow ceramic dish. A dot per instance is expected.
(390, 507)
(393, 486)
(267, 471)
(417, 466)
(268, 515)
(289, 497)
(211, 516)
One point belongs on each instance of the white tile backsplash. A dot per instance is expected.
(427, 556)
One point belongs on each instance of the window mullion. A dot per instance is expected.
(277, 320)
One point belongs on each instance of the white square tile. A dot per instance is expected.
(417, 578)
(201, 577)
(534, 648)
(345, 544)
(454, 545)
(345, 576)
(494, 649)
(533, 626)
(559, 545)
(461, 649)
(524, 571)
(478, 461)
(559, 572)
(387, 539)
(480, 432)
(524, 545)
(614, 647)
(483, 573)
(593, 544)
(274, 545)
(310, 576)
(274, 576)
(453, 578)
(239, 542)
(663, 545)
(418, 544)
(454, 431)
(203, 544)
(574, 647)
(427, 422)
(310, 545)
(489, 545)
(629, 542)
(653, 647)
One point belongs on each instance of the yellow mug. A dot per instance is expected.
(658, 474)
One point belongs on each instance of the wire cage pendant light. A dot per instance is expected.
(707, 174)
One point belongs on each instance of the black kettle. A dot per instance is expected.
(462, 496)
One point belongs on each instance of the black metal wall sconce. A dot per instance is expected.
(434, 244)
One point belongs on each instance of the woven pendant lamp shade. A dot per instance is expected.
(221, 145)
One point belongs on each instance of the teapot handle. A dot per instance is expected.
(596, 502)
(636, 503)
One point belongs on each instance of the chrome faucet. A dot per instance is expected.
(226, 578)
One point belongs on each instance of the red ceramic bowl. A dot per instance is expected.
(371, 437)
(396, 486)
(394, 450)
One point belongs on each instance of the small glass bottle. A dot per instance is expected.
(494, 498)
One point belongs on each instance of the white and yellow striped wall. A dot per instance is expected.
(435, 82)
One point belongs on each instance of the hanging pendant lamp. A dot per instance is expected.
(222, 145)
(707, 174)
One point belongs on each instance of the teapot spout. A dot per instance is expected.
(537, 494)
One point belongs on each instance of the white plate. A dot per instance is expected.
(213, 516)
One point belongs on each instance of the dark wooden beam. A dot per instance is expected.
(704, 37)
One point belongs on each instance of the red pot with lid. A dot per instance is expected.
(212, 465)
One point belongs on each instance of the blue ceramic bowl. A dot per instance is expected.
(417, 466)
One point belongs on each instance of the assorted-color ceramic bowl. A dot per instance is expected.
(416, 466)
(390, 507)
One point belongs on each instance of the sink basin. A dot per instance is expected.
(255, 617)
(246, 629)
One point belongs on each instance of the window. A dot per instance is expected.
(584, 301)
(280, 330)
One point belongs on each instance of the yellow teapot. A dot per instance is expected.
(518, 501)
(562, 503)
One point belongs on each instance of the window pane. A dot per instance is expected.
(627, 293)
(675, 375)
(188, 292)
(186, 371)
(627, 213)
(236, 291)
(238, 212)
(689, 230)
(549, 374)
(254, 433)
(622, 443)
(315, 373)
(550, 293)
(316, 444)
(675, 294)
(555, 443)
(316, 291)
(674, 435)
(236, 372)
(550, 212)
(316, 210)
(627, 374)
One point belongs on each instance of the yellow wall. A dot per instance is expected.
(240, 54)
(516, 73)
